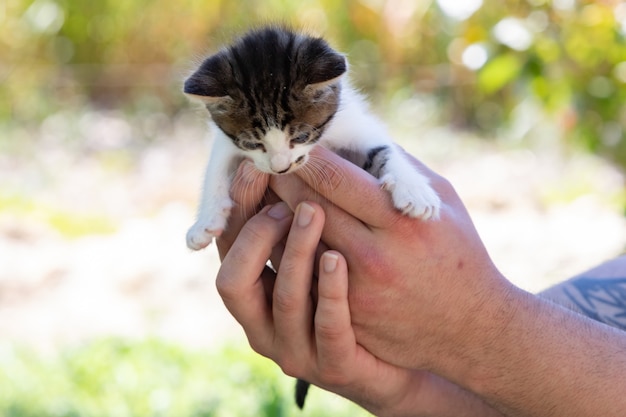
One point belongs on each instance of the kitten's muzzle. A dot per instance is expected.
(292, 166)
(284, 171)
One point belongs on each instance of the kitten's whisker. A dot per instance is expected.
(309, 172)
(253, 176)
(321, 167)
(316, 173)
(236, 182)
(245, 185)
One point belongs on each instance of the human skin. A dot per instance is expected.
(423, 296)
(599, 293)
(276, 311)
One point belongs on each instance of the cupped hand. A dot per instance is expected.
(415, 286)
(314, 339)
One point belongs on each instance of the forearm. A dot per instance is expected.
(599, 293)
(539, 360)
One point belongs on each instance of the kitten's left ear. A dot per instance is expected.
(322, 64)
(210, 82)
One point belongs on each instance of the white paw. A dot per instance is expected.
(200, 235)
(206, 228)
(413, 200)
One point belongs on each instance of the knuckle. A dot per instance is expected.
(328, 331)
(254, 232)
(332, 378)
(254, 345)
(442, 185)
(285, 302)
(331, 375)
(296, 252)
(289, 366)
(257, 346)
(256, 236)
(225, 287)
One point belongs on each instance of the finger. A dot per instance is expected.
(341, 230)
(275, 258)
(292, 305)
(347, 186)
(247, 192)
(279, 249)
(334, 336)
(240, 280)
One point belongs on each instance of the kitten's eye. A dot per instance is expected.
(253, 146)
(301, 138)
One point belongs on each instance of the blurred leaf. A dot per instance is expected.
(499, 72)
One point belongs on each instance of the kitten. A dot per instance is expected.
(273, 96)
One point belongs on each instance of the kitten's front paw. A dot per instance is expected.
(200, 235)
(203, 231)
(211, 223)
(413, 201)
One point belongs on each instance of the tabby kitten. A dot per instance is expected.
(274, 95)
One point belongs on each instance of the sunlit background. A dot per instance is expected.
(103, 310)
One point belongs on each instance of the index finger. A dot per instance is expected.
(240, 278)
(347, 186)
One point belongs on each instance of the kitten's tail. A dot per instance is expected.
(302, 387)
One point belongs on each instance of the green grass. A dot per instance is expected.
(120, 378)
(69, 224)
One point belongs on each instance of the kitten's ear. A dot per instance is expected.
(210, 82)
(324, 74)
(323, 65)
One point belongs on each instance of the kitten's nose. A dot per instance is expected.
(283, 171)
(280, 164)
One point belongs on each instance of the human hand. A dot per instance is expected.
(277, 312)
(426, 294)
(420, 292)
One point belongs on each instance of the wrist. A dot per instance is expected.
(472, 338)
(525, 362)
(429, 395)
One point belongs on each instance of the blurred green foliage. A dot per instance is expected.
(69, 224)
(115, 378)
(482, 59)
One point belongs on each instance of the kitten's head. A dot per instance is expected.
(272, 93)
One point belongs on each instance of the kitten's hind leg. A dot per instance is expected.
(410, 189)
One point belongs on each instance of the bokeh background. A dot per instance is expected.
(103, 310)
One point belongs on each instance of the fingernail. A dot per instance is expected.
(329, 260)
(279, 211)
(305, 214)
